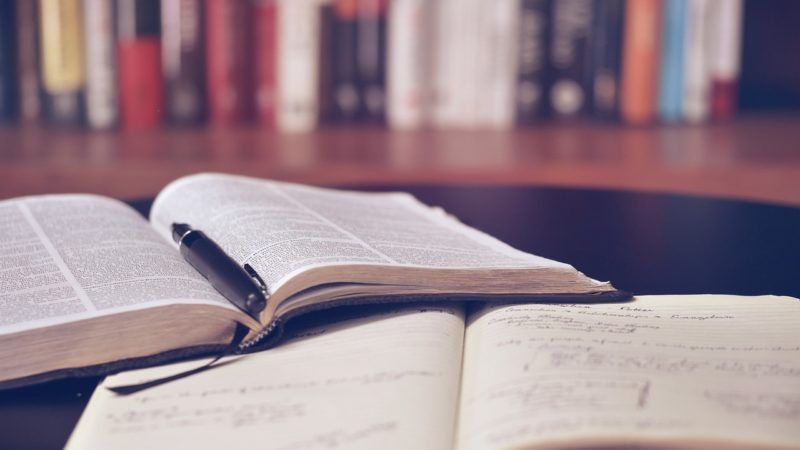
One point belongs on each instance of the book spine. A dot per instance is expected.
(228, 69)
(670, 105)
(28, 60)
(497, 64)
(726, 41)
(183, 60)
(607, 57)
(408, 63)
(696, 75)
(370, 58)
(444, 64)
(265, 30)
(139, 63)
(298, 65)
(469, 35)
(327, 47)
(101, 82)
(62, 68)
(532, 58)
(346, 93)
(569, 58)
(640, 61)
(8, 62)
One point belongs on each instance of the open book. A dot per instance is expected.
(88, 286)
(660, 372)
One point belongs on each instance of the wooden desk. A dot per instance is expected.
(645, 243)
(753, 158)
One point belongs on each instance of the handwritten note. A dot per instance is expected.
(696, 368)
(386, 381)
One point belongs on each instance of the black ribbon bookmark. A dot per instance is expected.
(231, 349)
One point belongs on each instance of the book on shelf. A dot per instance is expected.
(265, 18)
(606, 57)
(668, 372)
(532, 60)
(89, 286)
(641, 52)
(569, 92)
(496, 69)
(371, 58)
(298, 65)
(229, 77)
(9, 103)
(102, 102)
(27, 63)
(345, 93)
(696, 76)
(409, 57)
(674, 48)
(726, 43)
(62, 69)
(183, 60)
(141, 89)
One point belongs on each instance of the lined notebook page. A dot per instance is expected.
(688, 371)
(387, 381)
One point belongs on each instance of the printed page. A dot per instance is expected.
(387, 381)
(70, 257)
(678, 371)
(281, 228)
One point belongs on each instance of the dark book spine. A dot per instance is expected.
(228, 60)
(8, 74)
(62, 66)
(326, 61)
(606, 57)
(371, 59)
(532, 60)
(266, 34)
(29, 87)
(183, 60)
(139, 63)
(569, 94)
(346, 98)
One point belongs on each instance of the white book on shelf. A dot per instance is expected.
(496, 67)
(697, 78)
(409, 62)
(445, 63)
(298, 64)
(102, 101)
(725, 39)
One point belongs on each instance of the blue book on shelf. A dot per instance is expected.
(670, 92)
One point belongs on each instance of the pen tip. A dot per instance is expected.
(179, 230)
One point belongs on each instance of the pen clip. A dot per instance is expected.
(258, 280)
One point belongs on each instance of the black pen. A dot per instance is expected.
(241, 286)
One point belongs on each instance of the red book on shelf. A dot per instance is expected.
(265, 59)
(228, 67)
(139, 64)
(140, 82)
(723, 98)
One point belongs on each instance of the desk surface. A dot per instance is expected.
(644, 243)
(752, 158)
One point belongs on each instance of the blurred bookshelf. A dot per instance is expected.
(751, 155)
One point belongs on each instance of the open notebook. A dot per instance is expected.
(664, 371)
